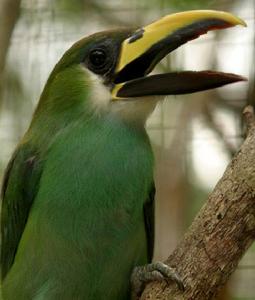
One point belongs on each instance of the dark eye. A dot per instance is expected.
(100, 59)
(97, 58)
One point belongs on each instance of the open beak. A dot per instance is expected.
(143, 49)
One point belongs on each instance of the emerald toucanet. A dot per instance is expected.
(77, 216)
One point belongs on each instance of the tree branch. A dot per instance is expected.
(220, 234)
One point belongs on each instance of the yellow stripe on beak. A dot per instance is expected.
(143, 39)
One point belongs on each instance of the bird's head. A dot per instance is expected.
(109, 71)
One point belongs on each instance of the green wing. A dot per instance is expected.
(18, 192)
(149, 220)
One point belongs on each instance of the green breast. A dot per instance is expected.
(86, 228)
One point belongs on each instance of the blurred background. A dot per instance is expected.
(193, 136)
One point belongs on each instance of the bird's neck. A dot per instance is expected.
(133, 110)
(63, 101)
(69, 98)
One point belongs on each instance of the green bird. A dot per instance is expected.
(77, 218)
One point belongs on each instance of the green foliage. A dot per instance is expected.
(77, 8)
(70, 6)
(183, 4)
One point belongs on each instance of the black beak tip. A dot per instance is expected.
(177, 83)
(236, 78)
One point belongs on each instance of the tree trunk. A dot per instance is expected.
(220, 234)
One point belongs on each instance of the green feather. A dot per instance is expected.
(74, 197)
(86, 230)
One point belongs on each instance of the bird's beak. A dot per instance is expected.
(143, 49)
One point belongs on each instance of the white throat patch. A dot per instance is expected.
(134, 109)
(100, 95)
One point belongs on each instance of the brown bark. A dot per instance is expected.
(220, 234)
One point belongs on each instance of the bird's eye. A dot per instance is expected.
(100, 59)
(97, 58)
